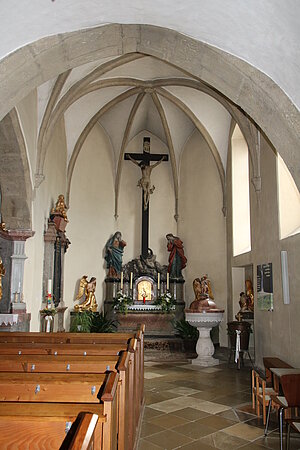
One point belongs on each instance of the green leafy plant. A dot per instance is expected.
(185, 330)
(101, 324)
(166, 301)
(81, 322)
(122, 301)
(48, 312)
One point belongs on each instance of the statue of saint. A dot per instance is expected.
(145, 182)
(2, 273)
(114, 250)
(177, 260)
(249, 294)
(60, 207)
(87, 288)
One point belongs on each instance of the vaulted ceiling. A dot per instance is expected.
(126, 96)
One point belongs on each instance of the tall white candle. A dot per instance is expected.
(121, 280)
(131, 278)
(49, 287)
(158, 280)
(167, 280)
(19, 287)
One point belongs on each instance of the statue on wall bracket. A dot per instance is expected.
(114, 249)
(177, 259)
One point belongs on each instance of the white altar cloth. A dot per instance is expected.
(8, 319)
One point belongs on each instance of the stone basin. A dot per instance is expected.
(204, 321)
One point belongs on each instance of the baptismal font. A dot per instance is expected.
(204, 315)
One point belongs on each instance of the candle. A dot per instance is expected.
(121, 280)
(49, 287)
(158, 280)
(167, 280)
(131, 278)
(19, 287)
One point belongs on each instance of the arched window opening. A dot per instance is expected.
(241, 230)
(288, 201)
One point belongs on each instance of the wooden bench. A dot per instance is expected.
(82, 433)
(130, 368)
(76, 393)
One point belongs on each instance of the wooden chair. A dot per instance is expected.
(290, 385)
(260, 395)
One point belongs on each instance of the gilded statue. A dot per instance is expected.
(203, 295)
(87, 289)
(2, 273)
(60, 207)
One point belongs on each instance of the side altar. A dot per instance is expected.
(145, 281)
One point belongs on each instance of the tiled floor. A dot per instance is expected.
(202, 409)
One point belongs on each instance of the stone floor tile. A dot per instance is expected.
(150, 375)
(172, 405)
(150, 412)
(153, 397)
(190, 414)
(194, 430)
(168, 421)
(196, 445)
(150, 428)
(223, 441)
(236, 415)
(244, 431)
(209, 407)
(216, 422)
(146, 445)
(169, 439)
(182, 390)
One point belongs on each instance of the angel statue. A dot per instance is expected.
(87, 288)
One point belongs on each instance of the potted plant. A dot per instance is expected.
(188, 334)
(121, 302)
(101, 324)
(166, 302)
(81, 322)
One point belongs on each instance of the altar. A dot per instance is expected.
(145, 281)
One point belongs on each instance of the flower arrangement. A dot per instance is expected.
(48, 312)
(166, 301)
(122, 301)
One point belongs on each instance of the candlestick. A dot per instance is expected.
(158, 280)
(131, 278)
(168, 281)
(122, 280)
(49, 286)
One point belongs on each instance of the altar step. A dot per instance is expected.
(171, 348)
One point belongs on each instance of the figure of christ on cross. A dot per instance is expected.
(145, 183)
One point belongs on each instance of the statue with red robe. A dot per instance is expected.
(177, 260)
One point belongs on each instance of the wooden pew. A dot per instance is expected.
(74, 391)
(82, 433)
(90, 344)
(123, 364)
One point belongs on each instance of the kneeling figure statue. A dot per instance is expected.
(87, 288)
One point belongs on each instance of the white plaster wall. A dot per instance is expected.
(201, 222)
(266, 34)
(27, 111)
(45, 198)
(90, 216)
(276, 332)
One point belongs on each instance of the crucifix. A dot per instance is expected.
(145, 183)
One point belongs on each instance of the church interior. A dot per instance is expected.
(130, 130)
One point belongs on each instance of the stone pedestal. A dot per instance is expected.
(204, 322)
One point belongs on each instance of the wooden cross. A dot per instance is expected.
(145, 183)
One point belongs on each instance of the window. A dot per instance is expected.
(240, 194)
